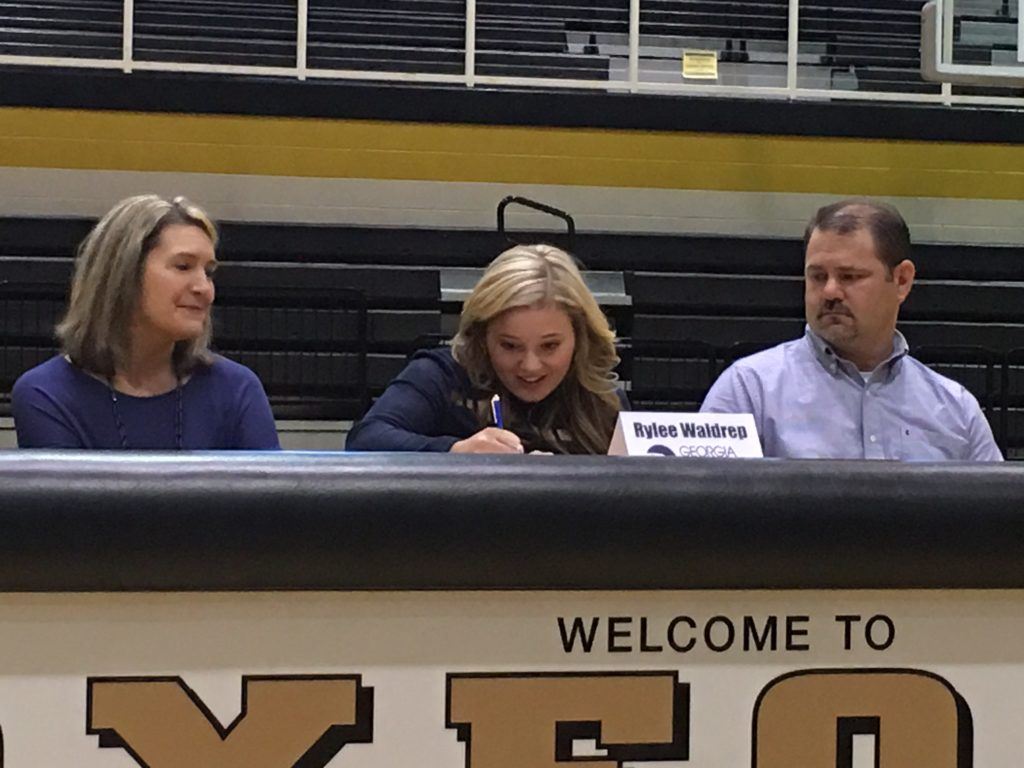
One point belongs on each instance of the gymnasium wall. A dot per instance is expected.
(399, 156)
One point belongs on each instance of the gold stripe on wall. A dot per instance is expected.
(321, 148)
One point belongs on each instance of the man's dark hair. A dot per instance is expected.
(883, 221)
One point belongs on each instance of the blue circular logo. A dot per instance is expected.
(661, 450)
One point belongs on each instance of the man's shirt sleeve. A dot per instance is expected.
(731, 394)
(982, 445)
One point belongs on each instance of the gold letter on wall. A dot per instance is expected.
(512, 721)
(285, 722)
(809, 719)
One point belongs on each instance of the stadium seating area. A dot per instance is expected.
(327, 315)
(869, 45)
(63, 28)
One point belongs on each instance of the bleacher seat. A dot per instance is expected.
(321, 337)
(668, 375)
(73, 28)
(726, 19)
(870, 45)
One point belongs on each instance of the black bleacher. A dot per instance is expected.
(711, 300)
(877, 41)
(773, 295)
(250, 33)
(668, 375)
(61, 28)
(727, 19)
(965, 329)
(322, 337)
(47, 237)
(722, 331)
(513, 40)
(573, 15)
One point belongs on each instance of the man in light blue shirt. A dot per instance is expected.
(848, 389)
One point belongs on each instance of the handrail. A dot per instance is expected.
(570, 223)
(128, 35)
(935, 66)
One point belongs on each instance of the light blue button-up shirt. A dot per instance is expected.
(810, 403)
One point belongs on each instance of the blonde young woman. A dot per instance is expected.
(135, 370)
(530, 332)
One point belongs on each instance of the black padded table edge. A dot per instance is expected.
(101, 521)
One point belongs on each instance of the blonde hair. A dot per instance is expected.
(585, 404)
(96, 330)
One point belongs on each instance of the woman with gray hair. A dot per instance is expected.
(530, 333)
(135, 369)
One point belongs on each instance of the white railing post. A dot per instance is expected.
(634, 46)
(128, 35)
(947, 46)
(792, 47)
(470, 43)
(302, 39)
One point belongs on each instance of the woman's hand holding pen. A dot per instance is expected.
(490, 440)
(494, 439)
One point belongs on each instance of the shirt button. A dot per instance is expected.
(872, 438)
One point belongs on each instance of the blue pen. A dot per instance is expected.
(496, 412)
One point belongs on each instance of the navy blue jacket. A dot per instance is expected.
(425, 409)
(421, 410)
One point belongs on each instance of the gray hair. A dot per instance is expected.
(95, 333)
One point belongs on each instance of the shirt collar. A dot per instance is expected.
(831, 360)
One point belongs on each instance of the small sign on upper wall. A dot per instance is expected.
(691, 435)
(700, 65)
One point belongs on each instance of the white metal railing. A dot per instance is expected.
(630, 69)
(936, 52)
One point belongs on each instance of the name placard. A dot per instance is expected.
(692, 435)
